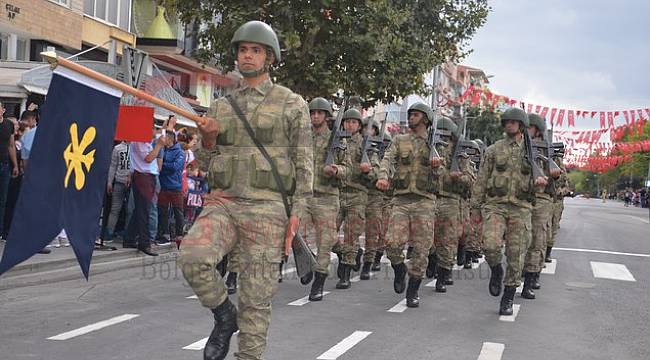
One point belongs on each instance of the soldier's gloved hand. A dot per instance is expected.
(209, 130)
(435, 162)
(455, 175)
(292, 228)
(541, 181)
(555, 173)
(382, 184)
(365, 168)
(330, 170)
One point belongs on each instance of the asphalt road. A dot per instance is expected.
(592, 305)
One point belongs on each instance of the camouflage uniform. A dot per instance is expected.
(561, 190)
(323, 207)
(449, 212)
(244, 209)
(376, 212)
(413, 203)
(354, 199)
(472, 230)
(503, 191)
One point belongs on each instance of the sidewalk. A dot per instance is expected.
(61, 264)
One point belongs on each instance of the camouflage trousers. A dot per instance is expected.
(512, 224)
(411, 221)
(352, 214)
(447, 233)
(465, 222)
(541, 222)
(377, 212)
(558, 208)
(474, 230)
(256, 229)
(321, 218)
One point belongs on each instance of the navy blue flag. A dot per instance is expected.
(65, 178)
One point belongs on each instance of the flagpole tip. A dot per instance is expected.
(51, 57)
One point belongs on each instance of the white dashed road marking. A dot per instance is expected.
(550, 267)
(304, 300)
(93, 327)
(200, 345)
(605, 270)
(345, 345)
(602, 252)
(491, 351)
(400, 307)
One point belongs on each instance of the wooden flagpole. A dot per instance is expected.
(54, 60)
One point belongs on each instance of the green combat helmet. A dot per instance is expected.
(446, 126)
(423, 108)
(538, 122)
(515, 114)
(259, 33)
(320, 103)
(352, 114)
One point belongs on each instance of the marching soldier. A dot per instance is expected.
(414, 182)
(504, 190)
(561, 190)
(474, 238)
(245, 208)
(375, 220)
(354, 196)
(454, 182)
(323, 207)
(541, 217)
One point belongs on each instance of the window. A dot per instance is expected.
(116, 12)
(62, 2)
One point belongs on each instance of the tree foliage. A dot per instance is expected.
(377, 49)
(484, 123)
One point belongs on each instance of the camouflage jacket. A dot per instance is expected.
(505, 176)
(448, 187)
(412, 174)
(237, 169)
(322, 183)
(356, 179)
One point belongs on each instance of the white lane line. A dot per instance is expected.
(491, 351)
(474, 265)
(192, 297)
(550, 267)
(640, 219)
(602, 252)
(611, 271)
(288, 271)
(400, 307)
(304, 300)
(200, 345)
(511, 318)
(431, 283)
(93, 327)
(343, 346)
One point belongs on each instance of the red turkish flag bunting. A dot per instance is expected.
(538, 108)
(560, 118)
(530, 108)
(570, 119)
(640, 112)
(593, 113)
(578, 113)
(632, 117)
(553, 112)
(627, 116)
(602, 119)
(544, 112)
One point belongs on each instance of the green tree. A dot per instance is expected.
(377, 49)
(484, 124)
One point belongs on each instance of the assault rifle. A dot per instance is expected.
(334, 144)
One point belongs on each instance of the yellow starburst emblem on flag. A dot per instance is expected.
(75, 157)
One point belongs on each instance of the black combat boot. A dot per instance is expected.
(365, 271)
(307, 278)
(460, 255)
(280, 273)
(548, 254)
(231, 283)
(409, 252)
(225, 324)
(376, 265)
(412, 298)
(431, 266)
(536, 285)
(357, 260)
(399, 283)
(449, 280)
(339, 267)
(442, 280)
(496, 278)
(527, 292)
(475, 256)
(506, 301)
(469, 256)
(344, 281)
(316, 293)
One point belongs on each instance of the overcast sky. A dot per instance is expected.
(576, 54)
